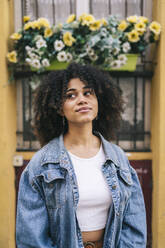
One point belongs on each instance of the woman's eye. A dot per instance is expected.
(70, 96)
(88, 93)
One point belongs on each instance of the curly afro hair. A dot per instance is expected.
(48, 123)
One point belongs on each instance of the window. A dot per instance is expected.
(122, 8)
(134, 134)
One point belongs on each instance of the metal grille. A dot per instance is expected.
(121, 8)
(58, 10)
(134, 134)
(54, 10)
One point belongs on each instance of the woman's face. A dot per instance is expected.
(80, 105)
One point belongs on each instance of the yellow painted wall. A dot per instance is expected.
(158, 133)
(7, 133)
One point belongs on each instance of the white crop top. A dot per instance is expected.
(94, 195)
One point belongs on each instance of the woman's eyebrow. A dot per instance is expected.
(73, 89)
(87, 87)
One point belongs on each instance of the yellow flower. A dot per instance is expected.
(104, 22)
(95, 25)
(12, 57)
(68, 39)
(123, 25)
(133, 36)
(28, 26)
(87, 19)
(48, 32)
(140, 27)
(141, 32)
(35, 24)
(81, 17)
(43, 22)
(26, 18)
(71, 18)
(143, 19)
(16, 36)
(132, 19)
(155, 27)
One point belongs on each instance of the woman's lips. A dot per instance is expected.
(83, 110)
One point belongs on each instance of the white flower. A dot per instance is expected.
(110, 40)
(28, 48)
(116, 50)
(61, 56)
(75, 24)
(103, 32)
(33, 55)
(126, 47)
(28, 61)
(41, 43)
(69, 57)
(122, 58)
(38, 37)
(90, 51)
(45, 62)
(93, 57)
(36, 63)
(116, 64)
(109, 59)
(58, 45)
(113, 30)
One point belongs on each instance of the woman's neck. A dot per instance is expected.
(81, 141)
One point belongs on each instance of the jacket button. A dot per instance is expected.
(114, 186)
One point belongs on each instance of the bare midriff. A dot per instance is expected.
(93, 235)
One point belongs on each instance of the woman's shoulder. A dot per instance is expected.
(47, 154)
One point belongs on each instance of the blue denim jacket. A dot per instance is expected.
(48, 198)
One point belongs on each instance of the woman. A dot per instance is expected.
(79, 190)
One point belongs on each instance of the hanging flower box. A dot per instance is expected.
(130, 64)
(107, 43)
(55, 65)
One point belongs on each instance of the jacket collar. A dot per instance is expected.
(55, 149)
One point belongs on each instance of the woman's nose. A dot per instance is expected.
(81, 99)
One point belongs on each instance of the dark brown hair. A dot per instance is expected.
(48, 123)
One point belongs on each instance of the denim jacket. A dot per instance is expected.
(48, 198)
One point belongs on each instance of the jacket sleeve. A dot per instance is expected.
(133, 233)
(32, 225)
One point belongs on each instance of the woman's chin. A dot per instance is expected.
(82, 121)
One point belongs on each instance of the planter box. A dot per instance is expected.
(129, 66)
(55, 65)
